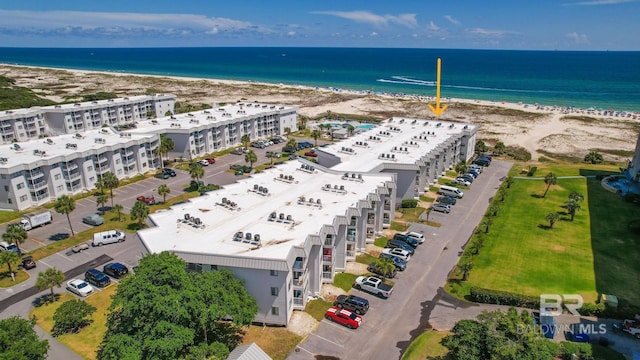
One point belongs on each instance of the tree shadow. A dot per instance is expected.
(135, 226)
(537, 196)
(102, 210)
(544, 227)
(59, 236)
(45, 299)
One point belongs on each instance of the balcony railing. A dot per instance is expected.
(298, 264)
(37, 185)
(298, 301)
(387, 207)
(351, 253)
(351, 238)
(327, 275)
(370, 221)
(326, 258)
(71, 176)
(328, 242)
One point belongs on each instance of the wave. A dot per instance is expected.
(411, 81)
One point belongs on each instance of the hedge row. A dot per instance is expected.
(488, 296)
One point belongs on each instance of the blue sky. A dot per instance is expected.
(465, 24)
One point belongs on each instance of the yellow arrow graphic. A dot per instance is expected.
(438, 110)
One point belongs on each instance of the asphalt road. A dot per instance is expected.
(390, 325)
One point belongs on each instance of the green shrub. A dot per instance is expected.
(532, 171)
(582, 350)
(409, 203)
(488, 296)
(590, 309)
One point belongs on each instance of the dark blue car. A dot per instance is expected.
(400, 244)
(399, 263)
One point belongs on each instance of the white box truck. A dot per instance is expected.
(31, 221)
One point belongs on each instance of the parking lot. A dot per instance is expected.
(390, 325)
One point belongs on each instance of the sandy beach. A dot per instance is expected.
(549, 131)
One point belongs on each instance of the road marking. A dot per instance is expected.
(38, 241)
(325, 339)
(44, 263)
(64, 257)
(303, 349)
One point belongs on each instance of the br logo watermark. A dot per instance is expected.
(552, 304)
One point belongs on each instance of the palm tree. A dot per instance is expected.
(49, 278)
(428, 211)
(139, 212)
(550, 179)
(9, 257)
(166, 145)
(574, 195)
(65, 205)
(251, 157)
(196, 170)
(118, 208)
(101, 199)
(386, 266)
(246, 140)
(287, 131)
(315, 134)
(15, 234)
(572, 207)
(461, 168)
(271, 155)
(466, 268)
(552, 218)
(350, 129)
(499, 148)
(508, 181)
(292, 143)
(594, 158)
(100, 185)
(163, 190)
(111, 182)
(474, 248)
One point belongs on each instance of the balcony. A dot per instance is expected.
(351, 253)
(298, 301)
(370, 221)
(69, 167)
(35, 175)
(351, 238)
(297, 265)
(328, 242)
(387, 207)
(37, 185)
(327, 258)
(72, 175)
(327, 275)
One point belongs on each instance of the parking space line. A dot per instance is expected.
(64, 257)
(40, 261)
(325, 339)
(38, 241)
(305, 350)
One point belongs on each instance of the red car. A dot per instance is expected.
(311, 153)
(343, 317)
(149, 200)
(211, 160)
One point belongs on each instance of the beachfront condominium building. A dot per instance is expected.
(33, 123)
(634, 165)
(418, 151)
(284, 231)
(198, 133)
(35, 172)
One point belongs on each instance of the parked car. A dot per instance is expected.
(375, 269)
(168, 171)
(397, 252)
(97, 278)
(238, 151)
(416, 235)
(79, 287)
(149, 200)
(311, 153)
(343, 317)
(306, 144)
(445, 208)
(482, 161)
(400, 264)
(274, 154)
(373, 285)
(467, 177)
(27, 263)
(5, 246)
(258, 144)
(460, 181)
(356, 304)
(80, 248)
(289, 149)
(93, 219)
(407, 239)
(211, 160)
(475, 167)
(203, 162)
(115, 270)
(473, 172)
(450, 200)
(393, 243)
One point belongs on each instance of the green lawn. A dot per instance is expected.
(594, 254)
(426, 346)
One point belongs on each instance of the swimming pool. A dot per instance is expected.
(365, 127)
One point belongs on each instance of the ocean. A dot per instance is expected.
(601, 80)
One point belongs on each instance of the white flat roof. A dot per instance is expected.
(226, 114)
(25, 152)
(105, 103)
(220, 223)
(395, 132)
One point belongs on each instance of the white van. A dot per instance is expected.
(451, 191)
(416, 235)
(108, 237)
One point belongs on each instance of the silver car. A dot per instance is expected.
(93, 219)
(445, 208)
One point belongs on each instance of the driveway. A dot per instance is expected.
(390, 325)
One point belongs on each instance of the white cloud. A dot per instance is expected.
(487, 32)
(452, 20)
(373, 34)
(122, 23)
(599, 2)
(367, 17)
(291, 33)
(578, 38)
(433, 26)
